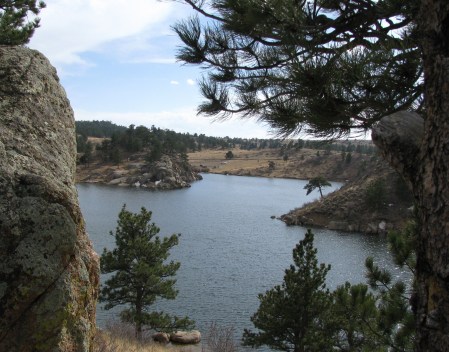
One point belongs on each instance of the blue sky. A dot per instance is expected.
(116, 62)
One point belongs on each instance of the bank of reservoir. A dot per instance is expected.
(230, 248)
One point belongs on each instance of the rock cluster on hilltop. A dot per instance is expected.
(170, 172)
(374, 203)
(49, 273)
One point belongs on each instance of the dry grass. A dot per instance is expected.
(301, 164)
(119, 337)
(243, 159)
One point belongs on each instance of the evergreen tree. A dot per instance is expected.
(317, 182)
(330, 66)
(140, 272)
(14, 28)
(353, 319)
(322, 66)
(383, 319)
(291, 316)
(86, 158)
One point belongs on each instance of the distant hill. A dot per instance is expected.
(99, 129)
(374, 199)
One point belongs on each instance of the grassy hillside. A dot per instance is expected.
(373, 200)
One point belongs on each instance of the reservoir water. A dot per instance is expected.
(230, 248)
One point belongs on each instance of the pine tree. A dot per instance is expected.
(291, 316)
(14, 30)
(321, 66)
(329, 67)
(381, 319)
(317, 182)
(353, 319)
(140, 273)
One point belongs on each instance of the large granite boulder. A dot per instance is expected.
(186, 337)
(48, 270)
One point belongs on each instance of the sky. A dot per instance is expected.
(116, 61)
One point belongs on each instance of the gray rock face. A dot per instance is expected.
(186, 337)
(48, 270)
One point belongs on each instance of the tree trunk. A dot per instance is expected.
(433, 182)
(421, 155)
(138, 317)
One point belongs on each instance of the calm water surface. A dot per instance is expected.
(230, 249)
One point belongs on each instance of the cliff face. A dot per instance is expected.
(48, 271)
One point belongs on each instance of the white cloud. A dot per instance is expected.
(181, 120)
(70, 28)
(191, 82)
(174, 83)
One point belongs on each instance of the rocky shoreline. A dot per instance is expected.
(348, 210)
(344, 210)
(170, 172)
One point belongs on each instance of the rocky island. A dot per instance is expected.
(170, 172)
(374, 199)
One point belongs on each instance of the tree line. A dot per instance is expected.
(119, 140)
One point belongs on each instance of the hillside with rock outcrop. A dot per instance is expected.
(374, 198)
(49, 273)
(170, 172)
(374, 203)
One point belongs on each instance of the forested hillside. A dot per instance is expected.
(115, 141)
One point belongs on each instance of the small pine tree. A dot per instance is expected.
(375, 194)
(229, 155)
(291, 316)
(317, 182)
(353, 319)
(141, 274)
(14, 30)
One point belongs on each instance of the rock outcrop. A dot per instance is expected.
(347, 209)
(48, 271)
(170, 172)
(186, 337)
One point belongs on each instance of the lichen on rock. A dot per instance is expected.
(49, 271)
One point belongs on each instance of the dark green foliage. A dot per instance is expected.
(141, 273)
(229, 155)
(157, 142)
(155, 153)
(15, 26)
(301, 315)
(403, 244)
(375, 194)
(396, 321)
(348, 158)
(86, 158)
(291, 316)
(353, 318)
(81, 141)
(326, 67)
(317, 182)
(99, 129)
(403, 190)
